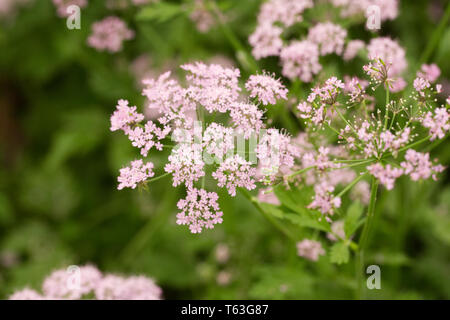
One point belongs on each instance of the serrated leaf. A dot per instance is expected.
(308, 221)
(297, 200)
(339, 253)
(351, 222)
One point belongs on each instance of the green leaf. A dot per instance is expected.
(297, 200)
(339, 253)
(272, 209)
(160, 12)
(303, 220)
(351, 222)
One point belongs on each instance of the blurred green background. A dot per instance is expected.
(59, 162)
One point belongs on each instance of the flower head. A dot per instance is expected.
(109, 34)
(310, 249)
(266, 88)
(137, 172)
(199, 210)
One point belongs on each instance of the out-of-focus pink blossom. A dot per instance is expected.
(109, 34)
(310, 249)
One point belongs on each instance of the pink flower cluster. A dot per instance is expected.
(63, 5)
(235, 172)
(390, 52)
(438, 122)
(81, 283)
(300, 59)
(274, 151)
(136, 173)
(211, 89)
(109, 34)
(387, 175)
(199, 210)
(310, 249)
(201, 16)
(329, 37)
(388, 8)
(324, 201)
(417, 165)
(266, 88)
(352, 49)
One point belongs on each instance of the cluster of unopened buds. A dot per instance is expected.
(87, 282)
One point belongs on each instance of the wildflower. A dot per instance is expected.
(222, 253)
(327, 93)
(324, 201)
(201, 16)
(320, 160)
(113, 287)
(438, 122)
(300, 60)
(355, 88)
(199, 210)
(266, 88)
(148, 137)
(186, 164)
(275, 148)
(397, 85)
(387, 175)
(266, 41)
(286, 12)
(109, 34)
(419, 166)
(352, 49)
(429, 72)
(390, 52)
(247, 118)
(26, 294)
(170, 99)
(212, 86)
(310, 249)
(235, 172)
(329, 37)
(218, 140)
(388, 8)
(337, 229)
(420, 85)
(63, 5)
(124, 117)
(138, 172)
(58, 285)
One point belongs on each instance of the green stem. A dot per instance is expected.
(409, 146)
(386, 114)
(158, 177)
(363, 241)
(351, 185)
(244, 58)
